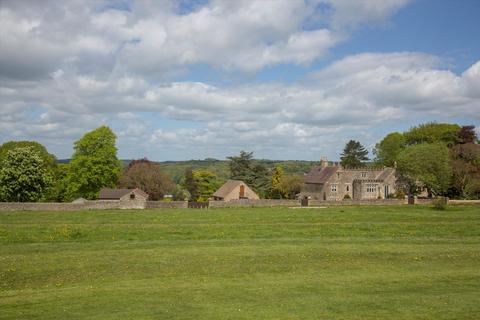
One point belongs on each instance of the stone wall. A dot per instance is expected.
(350, 202)
(57, 206)
(166, 204)
(254, 203)
(463, 201)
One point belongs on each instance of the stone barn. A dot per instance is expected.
(123, 194)
(234, 190)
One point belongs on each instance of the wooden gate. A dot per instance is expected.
(198, 205)
(304, 202)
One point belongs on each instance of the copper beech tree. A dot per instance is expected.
(148, 176)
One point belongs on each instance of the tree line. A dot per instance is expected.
(29, 173)
(441, 158)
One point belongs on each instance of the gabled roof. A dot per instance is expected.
(320, 175)
(118, 193)
(227, 188)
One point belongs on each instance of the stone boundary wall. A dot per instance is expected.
(346, 202)
(166, 204)
(255, 203)
(107, 204)
(463, 201)
(59, 206)
(424, 201)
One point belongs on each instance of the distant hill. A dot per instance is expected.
(176, 169)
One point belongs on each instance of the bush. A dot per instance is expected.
(346, 197)
(440, 203)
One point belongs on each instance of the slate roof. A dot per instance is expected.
(227, 188)
(115, 194)
(320, 175)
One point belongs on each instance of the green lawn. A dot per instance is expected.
(408, 262)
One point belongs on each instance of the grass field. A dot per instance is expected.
(407, 262)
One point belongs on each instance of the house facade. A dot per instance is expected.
(235, 190)
(335, 183)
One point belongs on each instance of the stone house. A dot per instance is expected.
(123, 194)
(235, 190)
(336, 183)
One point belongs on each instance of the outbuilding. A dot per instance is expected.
(123, 194)
(235, 190)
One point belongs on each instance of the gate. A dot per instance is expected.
(304, 202)
(198, 205)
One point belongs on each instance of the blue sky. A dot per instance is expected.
(179, 80)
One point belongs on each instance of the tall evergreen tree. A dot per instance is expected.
(353, 154)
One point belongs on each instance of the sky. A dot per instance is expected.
(195, 79)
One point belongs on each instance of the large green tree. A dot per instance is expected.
(147, 176)
(94, 164)
(433, 133)
(353, 155)
(426, 164)
(49, 159)
(387, 150)
(24, 175)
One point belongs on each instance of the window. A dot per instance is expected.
(364, 174)
(347, 188)
(371, 188)
(132, 196)
(333, 188)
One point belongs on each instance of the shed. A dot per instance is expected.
(234, 190)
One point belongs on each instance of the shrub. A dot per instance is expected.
(440, 203)
(346, 197)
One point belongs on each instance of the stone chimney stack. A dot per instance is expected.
(323, 162)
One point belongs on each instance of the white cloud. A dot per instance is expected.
(67, 68)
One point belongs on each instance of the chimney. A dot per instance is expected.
(323, 162)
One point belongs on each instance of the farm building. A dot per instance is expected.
(123, 194)
(234, 190)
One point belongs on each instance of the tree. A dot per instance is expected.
(291, 185)
(205, 185)
(353, 154)
(433, 133)
(94, 164)
(254, 173)
(428, 164)
(387, 150)
(467, 134)
(189, 183)
(466, 170)
(48, 159)
(147, 176)
(276, 191)
(241, 167)
(24, 175)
